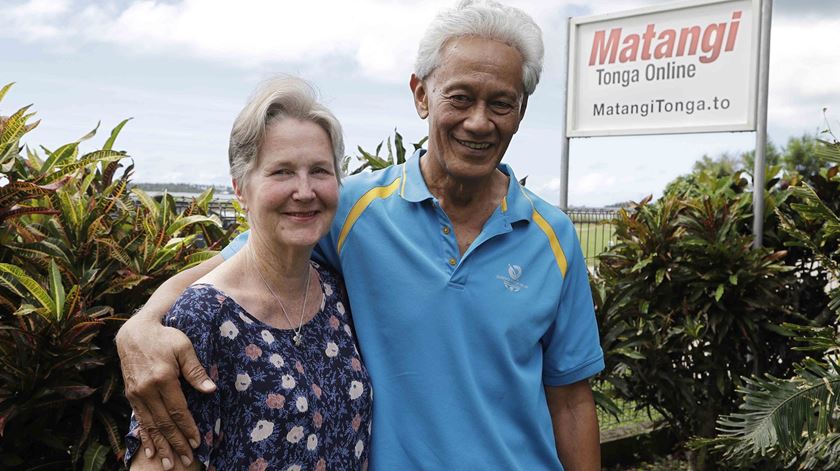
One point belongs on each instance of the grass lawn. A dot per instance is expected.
(594, 238)
(628, 422)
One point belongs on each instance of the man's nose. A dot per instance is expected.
(478, 120)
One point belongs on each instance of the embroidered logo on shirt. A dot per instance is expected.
(511, 281)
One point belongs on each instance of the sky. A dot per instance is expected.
(182, 70)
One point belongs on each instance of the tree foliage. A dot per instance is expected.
(688, 308)
(795, 422)
(79, 253)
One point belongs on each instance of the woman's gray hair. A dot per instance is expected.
(484, 19)
(276, 99)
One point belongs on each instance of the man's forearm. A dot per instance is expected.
(164, 297)
(575, 425)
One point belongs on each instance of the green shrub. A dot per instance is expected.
(687, 306)
(795, 422)
(78, 254)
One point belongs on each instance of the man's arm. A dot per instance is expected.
(576, 436)
(152, 357)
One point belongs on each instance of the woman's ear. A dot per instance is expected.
(240, 196)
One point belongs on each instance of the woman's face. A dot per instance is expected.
(291, 192)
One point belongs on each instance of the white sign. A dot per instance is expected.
(679, 68)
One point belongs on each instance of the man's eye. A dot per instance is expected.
(502, 105)
(321, 170)
(459, 99)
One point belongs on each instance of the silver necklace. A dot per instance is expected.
(297, 337)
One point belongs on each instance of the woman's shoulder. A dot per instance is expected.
(199, 303)
(327, 275)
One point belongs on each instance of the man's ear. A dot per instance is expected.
(523, 108)
(421, 97)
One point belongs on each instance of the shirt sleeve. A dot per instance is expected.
(195, 313)
(325, 253)
(235, 245)
(571, 347)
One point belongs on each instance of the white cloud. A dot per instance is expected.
(803, 67)
(37, 19)
(380, 37)
(592, 182)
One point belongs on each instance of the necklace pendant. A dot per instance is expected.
(298, 339)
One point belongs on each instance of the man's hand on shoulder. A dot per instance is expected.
(152, 358)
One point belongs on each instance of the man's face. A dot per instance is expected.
(474, 101)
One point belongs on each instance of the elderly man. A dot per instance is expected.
(469, 293)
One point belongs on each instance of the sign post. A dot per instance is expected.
(761, 132)
(687, 67)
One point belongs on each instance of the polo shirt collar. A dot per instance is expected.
(516, 205)
(413, 188)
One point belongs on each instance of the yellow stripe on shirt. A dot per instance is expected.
(559, 256)
(362, 204)
(553, 242)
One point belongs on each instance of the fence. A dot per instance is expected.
(593, 225)
(594, 229)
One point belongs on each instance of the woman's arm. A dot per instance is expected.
(152, 357)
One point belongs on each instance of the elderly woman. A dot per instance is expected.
(272, 327)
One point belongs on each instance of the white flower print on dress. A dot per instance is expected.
(242, 382)
(227, 329)
(328, 289)
(294, 467)
(276, 360)
(302, 404)
(245, 319)
(347, 330)
(267, 337)
(356, 390)
(262, 430)
(288, 382)
(339, 307)
(311, 442)
(360, 447)
(331, 350)
(217, 426)
(295, 434)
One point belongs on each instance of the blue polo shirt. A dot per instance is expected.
(459, 348)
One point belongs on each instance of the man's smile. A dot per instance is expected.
(474, 145)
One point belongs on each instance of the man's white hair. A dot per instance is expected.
(484, 19)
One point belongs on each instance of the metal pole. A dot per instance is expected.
(564, 140)
(761, 124)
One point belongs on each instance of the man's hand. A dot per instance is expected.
(575, 426)
(152, 358)
(143, 463)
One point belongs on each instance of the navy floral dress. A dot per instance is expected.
(277, 405)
